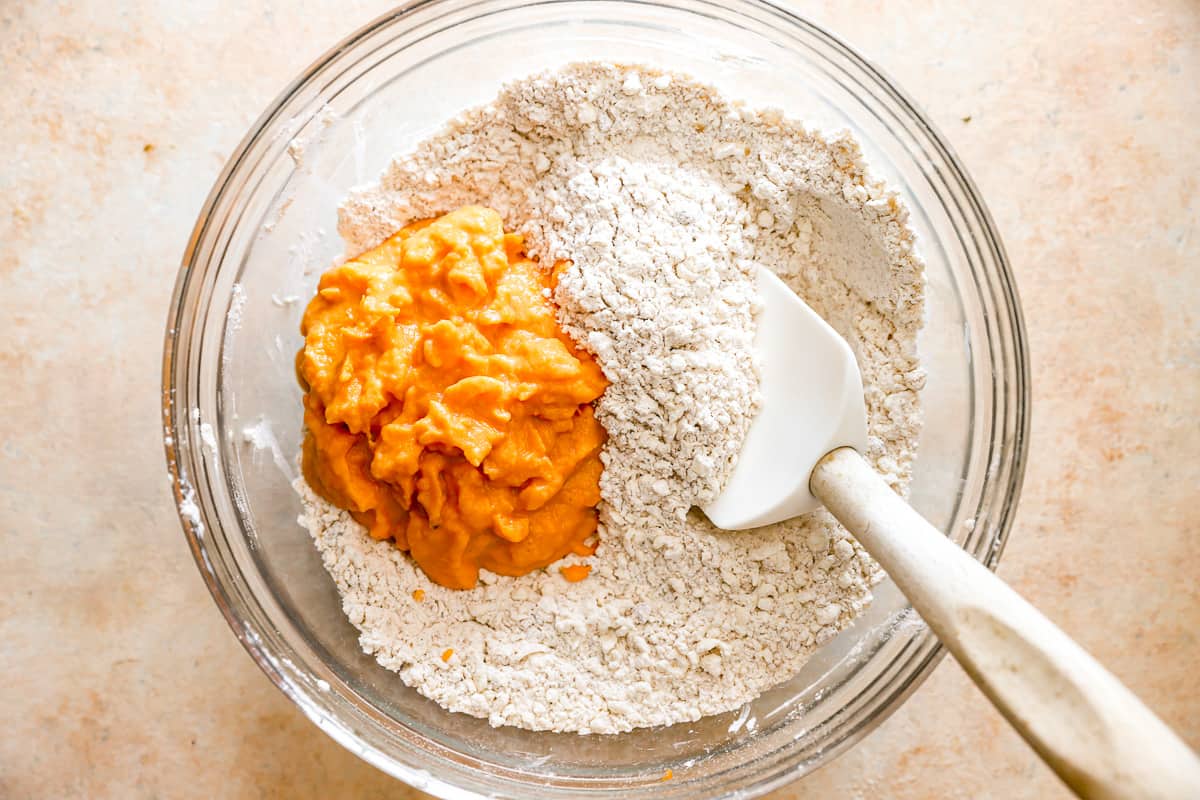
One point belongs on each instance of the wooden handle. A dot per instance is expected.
(1091, 730)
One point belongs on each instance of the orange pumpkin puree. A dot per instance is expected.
(444, 407)
(575, 572)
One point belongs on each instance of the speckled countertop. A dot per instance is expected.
(1079, 122)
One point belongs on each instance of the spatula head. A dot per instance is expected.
(812, 403)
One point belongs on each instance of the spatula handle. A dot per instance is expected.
(1091, 730)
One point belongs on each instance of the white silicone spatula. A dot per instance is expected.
(802, 452)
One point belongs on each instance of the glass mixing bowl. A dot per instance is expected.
(266, 232)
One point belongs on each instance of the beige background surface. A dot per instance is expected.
(1079, 121)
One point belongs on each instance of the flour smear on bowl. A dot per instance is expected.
(665, 197)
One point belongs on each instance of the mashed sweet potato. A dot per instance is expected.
(444, 407)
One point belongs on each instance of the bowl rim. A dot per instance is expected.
(179, 448)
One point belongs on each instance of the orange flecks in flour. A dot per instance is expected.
(575, 572)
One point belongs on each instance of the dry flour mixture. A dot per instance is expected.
(665, 197)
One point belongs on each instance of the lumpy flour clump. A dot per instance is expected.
(661, 289)
(665, 198)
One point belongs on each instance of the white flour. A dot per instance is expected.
(661, 289)
(676, 620)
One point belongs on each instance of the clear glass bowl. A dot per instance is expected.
(266, 232)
